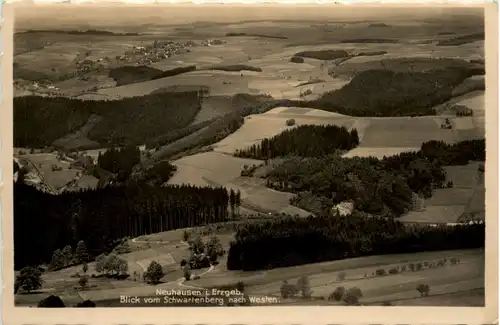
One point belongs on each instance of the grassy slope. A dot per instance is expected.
(460, 40)
(407, 89)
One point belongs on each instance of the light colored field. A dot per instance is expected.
(472, 298)
(216, 167)
(60, 56)
(378, 152)
(405, 132)
(447, 205)
(435, 214)
(166, 259)
(94, 153)
(62, 282)
(256, 195)
(463, 176)
(220, 84)
(468, 123)
(220, 169)
(477, 204)
(84, 89)
(86, 182)
(273, 122)
(475, 103)
(467, 275)
(279, 77)
(450, 196)
(393, 287)
(397, 51)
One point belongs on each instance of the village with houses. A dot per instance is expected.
(87, 64)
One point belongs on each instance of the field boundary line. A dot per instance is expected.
(435, 295)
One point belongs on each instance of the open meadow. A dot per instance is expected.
(464, 202)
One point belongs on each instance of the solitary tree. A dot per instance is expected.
(338, 294)
(81, 253)
(304, 286)
(185, 235)
(122, 267)
(51, 302)
(287, 289)
(99, 263)
(393, 270)
(82, 282)
(423, 289)
(115, 265)
(57, 260)
(85, 267)
(154, 273)
(186, 271)
(214, 248)
(29, 279)
(352, 296)
(240, 286)
(67, 255)
(197, 245)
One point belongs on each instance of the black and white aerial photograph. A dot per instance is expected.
(225, 155)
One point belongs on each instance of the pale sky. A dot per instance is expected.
(55, 15)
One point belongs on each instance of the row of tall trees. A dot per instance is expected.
(234, 201)
(305, 141)
(44, 222)
(296, 241)
(66, 257)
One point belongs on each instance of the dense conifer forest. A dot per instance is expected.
(304, 141)
(133, 74)
(119, 161)
(44, 222)
(126, 121)
(404, 93)
(296, 241)
(376, 186)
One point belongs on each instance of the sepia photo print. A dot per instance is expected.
(260, 156)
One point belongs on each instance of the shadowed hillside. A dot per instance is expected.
(132, 74)
(126, 121)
